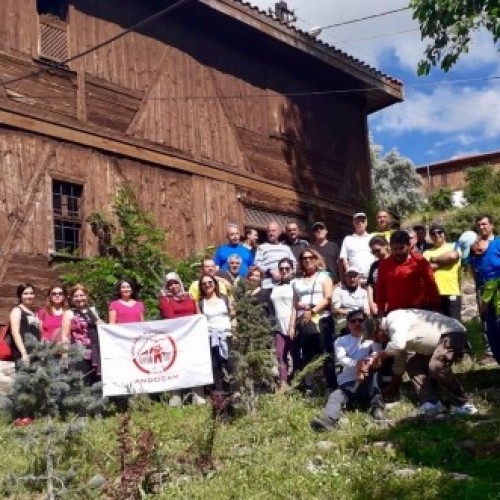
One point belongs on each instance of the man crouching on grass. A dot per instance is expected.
(357, 381)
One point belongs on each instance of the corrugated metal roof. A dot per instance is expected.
(259, 219)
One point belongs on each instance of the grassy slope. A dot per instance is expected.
(276, 455)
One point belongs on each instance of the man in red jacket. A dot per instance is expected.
(405, 279)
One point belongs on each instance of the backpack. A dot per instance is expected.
(6, 353)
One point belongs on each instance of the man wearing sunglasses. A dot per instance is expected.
(357, 382)
(444, 259)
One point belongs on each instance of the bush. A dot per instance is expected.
(440, 200)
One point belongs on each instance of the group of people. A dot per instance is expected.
(383, 303)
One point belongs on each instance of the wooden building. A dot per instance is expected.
(215, 112)
(452, 173)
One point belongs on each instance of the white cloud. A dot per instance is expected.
(445, 109)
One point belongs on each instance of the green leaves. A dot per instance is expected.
(449, 24)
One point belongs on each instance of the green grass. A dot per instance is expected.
(276, 455)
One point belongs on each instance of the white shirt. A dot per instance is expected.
(348, 351)
(417, 331)
(217, 315)
(309, 291)
(356, 252)
(282, 299)
(343, 298)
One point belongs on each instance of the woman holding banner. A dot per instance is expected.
(216, 308)
(175, 302)
(124, 306)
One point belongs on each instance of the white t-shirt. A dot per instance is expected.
(217, 315)
(348, 351)
(282, 299)
(356, 251)
(343, 298)
(310, 291)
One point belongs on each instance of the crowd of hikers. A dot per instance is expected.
(381, 305)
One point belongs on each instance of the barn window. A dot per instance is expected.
(66, 206)
(53, 31)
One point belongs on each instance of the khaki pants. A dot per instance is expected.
(429, 372)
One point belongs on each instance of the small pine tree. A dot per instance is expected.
(48, 387)
(253, 362)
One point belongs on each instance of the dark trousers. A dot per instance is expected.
(219, 365)
(493, 331)
(429, 372)
(451, 306)
(313, 346)
(364, 392)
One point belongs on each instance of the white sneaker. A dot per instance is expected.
(465, 409)
(198, 396)
(429, 408)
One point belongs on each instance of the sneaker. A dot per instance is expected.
(429, 408)
(465, 409)
(175, 401)
(322, 424)
(378, 415)
(199, 396)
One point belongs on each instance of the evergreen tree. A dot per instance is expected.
(252, 349)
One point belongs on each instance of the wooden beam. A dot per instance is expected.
(113, 142)
(24, 210)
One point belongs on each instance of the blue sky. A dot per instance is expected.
(441, 117)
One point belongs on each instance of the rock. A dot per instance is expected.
(96, 481)
(326, 445)
(485, 422)
(405, 472)
(383, 445)
(468, 444)
(460, 477)
(6, 376)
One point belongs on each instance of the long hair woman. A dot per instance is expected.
(23, 321)
(312, 312)
(51, 315)
(125, 306)
(281, 300)
(79, 326)
(217, 309)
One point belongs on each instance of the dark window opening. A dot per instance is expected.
(66, 206)
(55, 8)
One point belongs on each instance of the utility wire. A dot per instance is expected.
(373, 16)
(271, 96)
(136, 26)
(380, 35)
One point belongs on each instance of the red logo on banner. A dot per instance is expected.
(154, 352)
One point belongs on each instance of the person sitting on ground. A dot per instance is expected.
(436, 341)
(232, 247)
(348, 297)
(208, 267)
(357, 382)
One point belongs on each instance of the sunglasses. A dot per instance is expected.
(357, 320)
(207, 283)
(56, 293)
(434, 233)
(285, 268)
(308, 257)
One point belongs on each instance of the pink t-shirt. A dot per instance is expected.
(51, 324)
(127, 314)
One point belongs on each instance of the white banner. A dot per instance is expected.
(155, 356)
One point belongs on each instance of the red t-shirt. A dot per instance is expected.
(406, 285)
(172, 308)
(127, 314)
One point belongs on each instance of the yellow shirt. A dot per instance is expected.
(194, 289)
(386, 234)
(447, 277)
